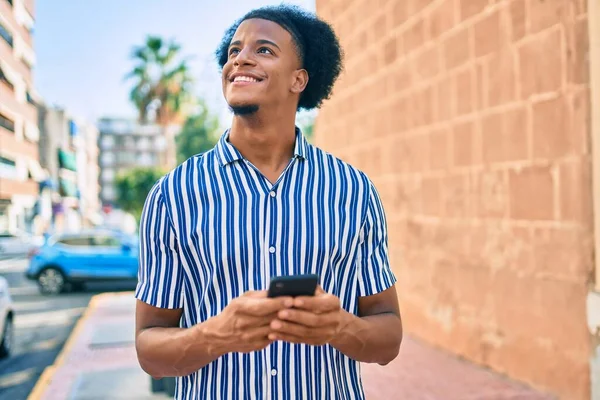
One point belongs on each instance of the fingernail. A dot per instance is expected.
(288, 302)
(272, 336)
(299, 303)
(283, 314)
(276, 324)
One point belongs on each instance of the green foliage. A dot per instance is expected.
(133, 187)
(162, 81)
(198, 134)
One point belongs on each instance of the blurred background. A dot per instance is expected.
(478, 121)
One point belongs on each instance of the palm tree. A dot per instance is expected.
(162, 88)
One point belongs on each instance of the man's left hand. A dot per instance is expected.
(314, 320)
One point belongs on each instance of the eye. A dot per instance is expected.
(233, 51)
(265, 50)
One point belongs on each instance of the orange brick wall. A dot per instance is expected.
(471, 117)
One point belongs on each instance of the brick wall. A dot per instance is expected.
(471, 117)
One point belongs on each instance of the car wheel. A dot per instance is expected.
(7, 338)
(51, 281)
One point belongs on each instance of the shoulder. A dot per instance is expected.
(184, 177)
(339, 168)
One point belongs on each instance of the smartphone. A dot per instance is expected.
(293, 285)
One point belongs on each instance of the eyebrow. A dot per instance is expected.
(259, 41)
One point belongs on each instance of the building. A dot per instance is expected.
(19, 168)
(69, 152)
(125, 144)
(479, 123)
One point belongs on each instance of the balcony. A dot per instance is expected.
(6, 35)
(10, 187)
(30, 7)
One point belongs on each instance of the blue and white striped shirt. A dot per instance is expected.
(215, 228)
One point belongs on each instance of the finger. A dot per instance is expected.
(295, 339)
(319, 290)
(300, 317)
(258, 294)
(290, 328)
(262, 307)
(318, 304)
(256, 334)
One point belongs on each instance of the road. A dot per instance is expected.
(42, 325)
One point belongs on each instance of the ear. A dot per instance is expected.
(300, 80)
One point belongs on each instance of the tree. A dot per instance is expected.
(162, 87)
(198, 134)
(133, 187)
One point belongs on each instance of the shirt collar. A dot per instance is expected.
(228, 153)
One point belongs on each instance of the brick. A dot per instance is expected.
(401, 77)
(504, 136)
(414, 36)
(440, 147)
(540, 64)
(481, 85)
(418, 153)
(431, 193)
(426, 64)
(488, 34)
(400, 115)
(532, 193)
(422, 107)
(575, 191)
(493, 193)
(567, 300)
(550, 137)
(400, 12)
(463, 143)
(390, 51)
(517, 18)
(446, 102)
(457, 48)
(465, 92)
(578, 52)
(579, 120)
(543, 14)
(379, 27)
(563, 253)
(470, 8)
(442, 18)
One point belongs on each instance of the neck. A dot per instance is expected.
(265, 141)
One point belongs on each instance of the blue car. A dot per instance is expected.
(70, 260)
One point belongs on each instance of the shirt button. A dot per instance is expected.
(272, 194)
(273, 372)
(271, 249)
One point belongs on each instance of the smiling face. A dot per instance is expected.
(263, 67)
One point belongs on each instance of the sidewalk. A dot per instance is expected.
(99, 362)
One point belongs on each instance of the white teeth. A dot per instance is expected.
(244, 79)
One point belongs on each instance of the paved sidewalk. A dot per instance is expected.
(99, 362)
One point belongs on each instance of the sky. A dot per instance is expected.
(83, 48)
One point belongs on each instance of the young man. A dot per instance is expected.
(265, 203)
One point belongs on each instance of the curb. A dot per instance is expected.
(46, 378)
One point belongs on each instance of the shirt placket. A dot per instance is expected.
(271, 266)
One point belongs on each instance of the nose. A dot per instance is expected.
(244, 57)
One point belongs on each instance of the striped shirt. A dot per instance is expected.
(215, 227)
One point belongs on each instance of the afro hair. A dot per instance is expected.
(318, 48)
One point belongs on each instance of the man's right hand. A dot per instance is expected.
(244, 325)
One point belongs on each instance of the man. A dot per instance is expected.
(264, 203)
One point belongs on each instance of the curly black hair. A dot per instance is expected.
(318, 48)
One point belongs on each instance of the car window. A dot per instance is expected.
(75, 241)
(105, 241)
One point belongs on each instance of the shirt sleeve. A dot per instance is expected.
(160, 275)
(375, 274)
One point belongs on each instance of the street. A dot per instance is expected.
(42, 325)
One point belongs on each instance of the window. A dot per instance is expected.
(7, 123)
(10, 2)
(30, 99)
(6, 81)
(8, 168)
(75, 241)
(108, 175)
(105, 241)
(5, 34)
(107, 142)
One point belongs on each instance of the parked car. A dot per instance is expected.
(13, 244)
(6, 320)
(71, 260)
